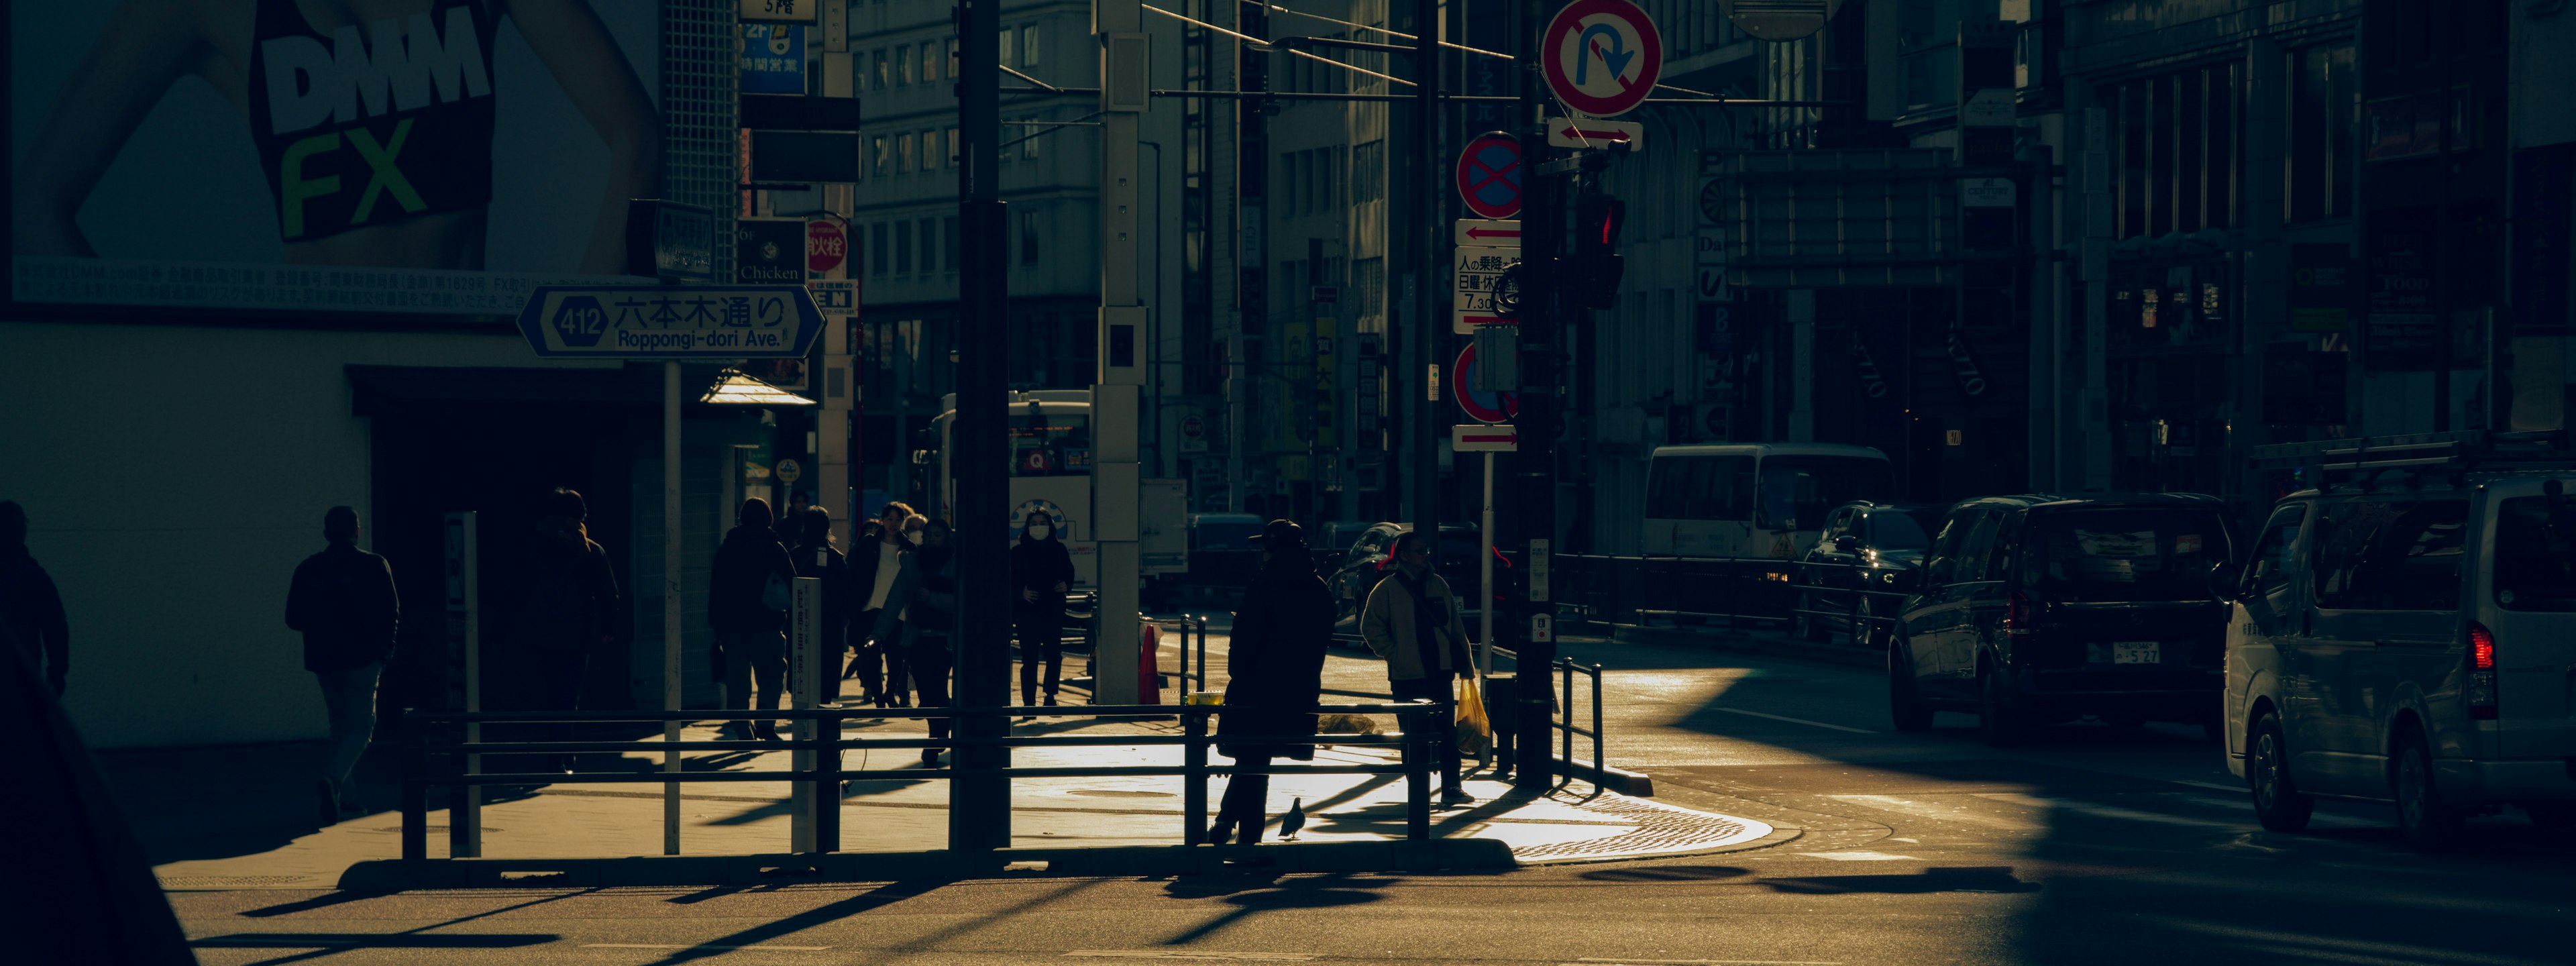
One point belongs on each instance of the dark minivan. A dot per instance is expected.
(2035, 609)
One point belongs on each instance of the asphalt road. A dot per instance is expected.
(2093, 845)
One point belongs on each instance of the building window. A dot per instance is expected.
(952, 58)
(2325, 102)
(1028, 238)
(859, 72)
(885, 70)
(882, 158)
(903, 248)
(1008, 35)
(954, 247)
(1029, 46)
(1029, 147)
(877, 249)
(903, 66)
(952, 147)
(929, 61)
(903, 153)
(930, 149)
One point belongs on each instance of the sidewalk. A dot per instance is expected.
(251, 831)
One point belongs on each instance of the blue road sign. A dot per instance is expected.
(672, 322)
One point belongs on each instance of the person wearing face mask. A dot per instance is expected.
(1041, 573)
(920, 618)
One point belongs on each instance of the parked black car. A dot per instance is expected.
(1858, 569)
(1454, 556)
(2036, 609)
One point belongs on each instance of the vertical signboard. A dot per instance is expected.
(773, 59)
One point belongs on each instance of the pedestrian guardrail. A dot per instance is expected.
(1562, 718)
(436, 753)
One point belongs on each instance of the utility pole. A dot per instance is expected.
(1123, 350)
(979, 808)
(1542, 232)
(1418, 251)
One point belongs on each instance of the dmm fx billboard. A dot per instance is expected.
(273, 155)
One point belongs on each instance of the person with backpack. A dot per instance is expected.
(344, 602)
(747, 598)
(1412, 620)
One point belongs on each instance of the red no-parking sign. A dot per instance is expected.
(1489, 175)
(1483, 407)
(1602, 57)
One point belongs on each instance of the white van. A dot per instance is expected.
(2408, 635)
(1755, 499)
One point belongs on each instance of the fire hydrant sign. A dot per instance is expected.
(672, 322)
(1602, 57)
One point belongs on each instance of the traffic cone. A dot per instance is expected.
(1149, 669)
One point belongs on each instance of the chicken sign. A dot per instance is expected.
(1602, 57)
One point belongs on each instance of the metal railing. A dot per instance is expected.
(1641, 590)
(1562, 719)
(428, 762)
(1193, 627)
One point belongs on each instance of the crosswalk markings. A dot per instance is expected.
(1860, 855)
(1930, 810)
(1803, 721)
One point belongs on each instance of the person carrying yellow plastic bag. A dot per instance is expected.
(1475, 733)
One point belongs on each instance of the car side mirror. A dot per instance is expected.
(2227, 580)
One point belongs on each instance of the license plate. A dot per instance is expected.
(2136, 652)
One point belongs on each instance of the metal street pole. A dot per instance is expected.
(1415, 245)
(671, 600)
(1542, 230)
(979, 808)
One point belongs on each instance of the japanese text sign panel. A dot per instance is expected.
(671, 322)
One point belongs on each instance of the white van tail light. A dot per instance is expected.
(2482, 672)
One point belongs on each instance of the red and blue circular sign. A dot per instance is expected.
(1601, 57)
(1489, 175)
(1484, 407)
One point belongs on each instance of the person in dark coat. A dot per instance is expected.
(32, 622)
(567, 604)
(567, 610)
(343, 600)
(815, 557)
(875, 560)
(920, 618)
(1274, 676)
(1041, 574)
(747, 597)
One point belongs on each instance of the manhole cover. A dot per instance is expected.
(1115, 793)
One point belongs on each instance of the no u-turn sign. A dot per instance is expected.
(1602, 57)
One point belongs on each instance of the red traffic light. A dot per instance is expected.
(1597, 219)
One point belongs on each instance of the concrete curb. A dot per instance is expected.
(1635, 784)
(1742, 643)
(1451, 855)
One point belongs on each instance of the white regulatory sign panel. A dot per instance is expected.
(1478, 267)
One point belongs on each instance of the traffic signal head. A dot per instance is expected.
(1597, 220)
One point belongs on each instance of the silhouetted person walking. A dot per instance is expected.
(921, 617)
(747, 598)
(1274, 675)
(1041, 573)
(31, 611)
(343, 600)
(874, 562)
(815, 557)
(567, 608)
(1412, 620)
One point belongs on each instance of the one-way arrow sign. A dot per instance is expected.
(1486, 233)
(1585, 132)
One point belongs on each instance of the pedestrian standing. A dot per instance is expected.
(567, 608)
(1274, 677)
(1412, 620)
(1042, 573)
(815, 557)
(747, 599)
(921, 617)
(32, 622)
(873, 568)
(343, 600)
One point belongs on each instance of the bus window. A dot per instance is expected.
(1798, 490)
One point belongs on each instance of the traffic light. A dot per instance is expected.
(1596, 263)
